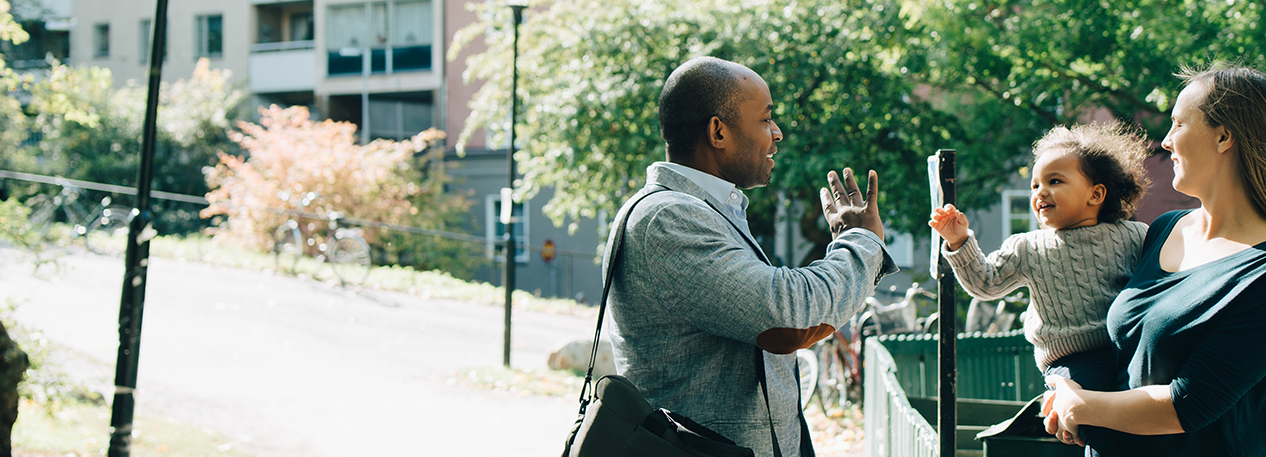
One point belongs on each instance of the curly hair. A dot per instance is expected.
(1111, 154)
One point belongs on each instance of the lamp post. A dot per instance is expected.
(508, 197)
(364, 88)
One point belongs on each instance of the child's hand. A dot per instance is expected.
(951, 224)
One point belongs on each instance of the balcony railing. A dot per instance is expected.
(281, 46)
(287, 66)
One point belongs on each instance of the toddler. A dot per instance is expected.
(1086, 183)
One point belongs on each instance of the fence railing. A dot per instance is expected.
(569, 271)
(900, 369)
(991, 366)
(893, 427)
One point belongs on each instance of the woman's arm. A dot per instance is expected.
(1146, 410)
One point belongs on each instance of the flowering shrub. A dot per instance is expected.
(289, 155)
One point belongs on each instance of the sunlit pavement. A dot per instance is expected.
(289, 367)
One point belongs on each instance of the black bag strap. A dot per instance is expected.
(586, 393)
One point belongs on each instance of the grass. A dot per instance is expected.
(549, 383)
(423, 284)
(82, 429)
(59, 416)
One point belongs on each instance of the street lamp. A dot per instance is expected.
(507, 199)
(364, 88)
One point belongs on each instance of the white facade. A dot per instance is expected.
(327, 54)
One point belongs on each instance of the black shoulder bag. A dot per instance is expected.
(616, 420)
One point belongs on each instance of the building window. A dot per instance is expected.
(1017, 217)
(397, 35)
(101, 40)
(399, 119)
(301, 26)
(210, 38)
(495, 231)
(900, 247)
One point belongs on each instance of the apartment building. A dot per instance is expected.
(330, 55)
(375, 63)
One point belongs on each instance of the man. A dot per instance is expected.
(693, 296)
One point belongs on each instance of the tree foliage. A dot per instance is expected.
(867, 84)
(840, 74)
(395, 182)
(91, 131)
(13, 125)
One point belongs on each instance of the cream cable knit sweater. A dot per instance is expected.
(1072, 276)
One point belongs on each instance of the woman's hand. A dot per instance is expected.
(1061, 420)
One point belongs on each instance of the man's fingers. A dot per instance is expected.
(872, 188)
(837, 186)
(854, 193)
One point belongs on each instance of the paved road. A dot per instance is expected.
(288, 367)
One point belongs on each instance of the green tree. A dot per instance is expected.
(93, 132)
(13, 125)
(841, 74)
(1060, 61)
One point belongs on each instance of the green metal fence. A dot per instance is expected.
(996, 366)
(900, 370)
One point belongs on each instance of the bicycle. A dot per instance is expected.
(103, 228)
(348, 253)
(839, 362)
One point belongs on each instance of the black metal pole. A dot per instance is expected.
(948, 333)
(132, 302)
(510, 246)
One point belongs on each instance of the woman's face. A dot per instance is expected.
(1193, 142)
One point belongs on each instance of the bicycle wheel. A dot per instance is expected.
(287, 247)
(43, 210)
(349, 256)
(107, 234)
(832, 376)
(808, 363)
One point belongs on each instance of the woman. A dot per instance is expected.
(1190, 327)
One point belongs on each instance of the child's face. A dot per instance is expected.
(1063, 196)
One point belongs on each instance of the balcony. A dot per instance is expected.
(286, 66)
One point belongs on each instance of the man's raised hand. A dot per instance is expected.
(844, 207)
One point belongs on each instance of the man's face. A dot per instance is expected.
(748, 161)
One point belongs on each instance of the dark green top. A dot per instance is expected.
(1202, 331)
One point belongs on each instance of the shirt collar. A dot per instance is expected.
(720, 189)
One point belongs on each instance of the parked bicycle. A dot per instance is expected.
(838, 367)
(103, 227)
(344, 248)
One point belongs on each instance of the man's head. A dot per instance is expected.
(715, 116)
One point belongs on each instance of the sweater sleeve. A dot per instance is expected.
(993, 277)
(1225, 364)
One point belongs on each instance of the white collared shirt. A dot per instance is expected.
(724, 191)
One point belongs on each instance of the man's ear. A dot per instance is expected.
(1098, 194)
(718, 133)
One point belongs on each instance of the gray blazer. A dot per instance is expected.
(690, 295)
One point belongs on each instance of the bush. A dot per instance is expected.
(394, 182)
